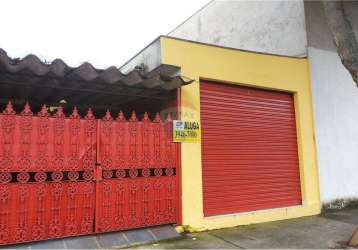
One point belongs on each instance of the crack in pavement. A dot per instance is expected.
(227, 241)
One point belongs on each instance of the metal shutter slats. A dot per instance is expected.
(249, 149)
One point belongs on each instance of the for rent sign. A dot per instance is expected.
(186, 131)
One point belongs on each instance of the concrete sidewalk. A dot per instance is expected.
(332, 230)
(112, 240)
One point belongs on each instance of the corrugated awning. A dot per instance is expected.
(31, 79)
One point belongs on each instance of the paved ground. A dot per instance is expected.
(105, 241)
(332, 230)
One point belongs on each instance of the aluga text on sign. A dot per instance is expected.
(186, 131)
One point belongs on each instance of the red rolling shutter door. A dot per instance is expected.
(249, 149)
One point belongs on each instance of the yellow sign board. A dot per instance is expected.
(186, 131)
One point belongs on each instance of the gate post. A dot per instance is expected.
(178, 162)
(97, 176)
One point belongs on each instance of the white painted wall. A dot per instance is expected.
(335, 99)
(275, 27)
(150, 57)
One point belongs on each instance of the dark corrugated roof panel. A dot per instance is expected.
(165, 77)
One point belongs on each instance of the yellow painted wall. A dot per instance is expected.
(198, 61)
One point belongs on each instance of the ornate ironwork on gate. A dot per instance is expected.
(64, 176)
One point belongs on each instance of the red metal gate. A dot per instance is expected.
(64, 176)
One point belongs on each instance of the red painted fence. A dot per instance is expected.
(64, 176)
